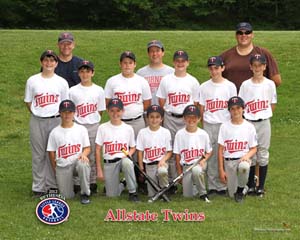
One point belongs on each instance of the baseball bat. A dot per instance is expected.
(153, 183)
(174, 181)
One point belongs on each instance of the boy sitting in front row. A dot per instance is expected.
(190, 144)
(68, 147)
(112, 137)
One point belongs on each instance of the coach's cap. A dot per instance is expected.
(236, 101)
(181, 54)
(244, 26)
(67, 106)
(259, 58)
(86, 63)
(191, 110)
(65, 37)
(155, 43)
(49, 53)
(215, 60)
(127, 54)
(115, 102)
(155, 108)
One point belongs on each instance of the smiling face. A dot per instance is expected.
(86, 75)
(236, 112)
(67, 117)
(127, 66)
(191, 122)
(155, 55)
(258, 68)
(115, 115)
(244, 38)
(66, 48)
(48, 64)
(180, 64)
(215, 71)
(154, 120)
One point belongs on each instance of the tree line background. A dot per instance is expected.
(149, 14)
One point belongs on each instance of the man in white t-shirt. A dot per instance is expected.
(44, 91)
(156, 69)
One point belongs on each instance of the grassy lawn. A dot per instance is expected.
(277, 216)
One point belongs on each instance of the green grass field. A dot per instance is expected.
(277, 216)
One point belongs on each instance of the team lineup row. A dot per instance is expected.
(173, 92)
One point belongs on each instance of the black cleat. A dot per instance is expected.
(133, 197)
(205, 198)
(238, 197)
(260, 193)
(85, 199)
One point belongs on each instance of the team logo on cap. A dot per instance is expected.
(155, 108)
(234, 100)
(85, 62)
(66, 104)
(192, 108)
(180, 52)
(115, 101)
(212, 59)
(257, 56)
(52, 210)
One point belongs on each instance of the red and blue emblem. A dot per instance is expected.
(52, 211)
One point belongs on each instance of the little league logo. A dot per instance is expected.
(52, 210)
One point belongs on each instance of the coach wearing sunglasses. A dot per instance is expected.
(236, 59)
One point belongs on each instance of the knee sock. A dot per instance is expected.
(262, 176)
(251, 183)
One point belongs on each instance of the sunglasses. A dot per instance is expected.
(242, 33)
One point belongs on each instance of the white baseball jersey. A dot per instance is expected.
(155, 144)
(237, 139)
(89, 101)
(153, 77)
(132, 91)
(45, 94)
(191, 146)
(68, 143)
(258, 98)
(178, 92)
(113, 138)
(214, 97)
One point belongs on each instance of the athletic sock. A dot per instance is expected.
(240, 190)
(262, 176)
(251, 183)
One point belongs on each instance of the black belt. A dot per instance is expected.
(131, 119)
(186, 165)
(258, 120)
(152, 163)
(56, 116)
(112, 160)
(231, 159)
(176, 115)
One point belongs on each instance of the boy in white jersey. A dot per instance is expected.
(213, 97)
(156, 69)
(259, 94)
(190, 144)
(89, 100)
(154, 148)
(237, 144)
(68, 148)
(44, 91)
(175, 92)
(112, 137)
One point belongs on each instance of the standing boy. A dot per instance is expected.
(44, 91)
(237, 144)
(154, 148)
(190, 144)
(112, 137)
(68, 148)
(156, 69)
(175, 92)
(213, 98)
(259, 94)
(89, 100)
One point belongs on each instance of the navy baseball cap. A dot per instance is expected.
(155, 43)
(49, 53)
(87, 64)
(215, 60)
(191, 110)
(259, 58)
(65, 37)
(115, 102)
(244, 26)
(236, 101)
(67, 106)
(181, 54)
(155, 108)
(127, 54)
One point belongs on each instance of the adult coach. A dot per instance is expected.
(236, 59)
(156, 69)
(67, 63)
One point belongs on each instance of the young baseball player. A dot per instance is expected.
(156, 69)
(213, 98)
(44, 91)
(112, 137)
(68, 148)
(237, 144)
(89, 100)
(190, 144)
(259, 94)
(175, 92)
(67, 62)
(154, 148)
